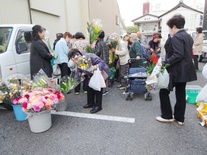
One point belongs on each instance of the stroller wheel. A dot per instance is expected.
(127, 95)
(148, 96)
(131, 96)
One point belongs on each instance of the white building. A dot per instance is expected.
(193, 18)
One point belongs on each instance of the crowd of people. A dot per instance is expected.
(69, 47)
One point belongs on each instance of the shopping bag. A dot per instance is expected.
(163, 80)
(204, 71)
(56, 70)
(97, 81)
(202, 96)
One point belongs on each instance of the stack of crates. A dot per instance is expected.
(202, 112)
(192, 92)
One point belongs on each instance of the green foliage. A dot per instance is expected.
(67, 84)
(132, 29)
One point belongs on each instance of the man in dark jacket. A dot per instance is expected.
(181, 70)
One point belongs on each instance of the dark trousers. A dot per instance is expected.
(94, 97)
(65, 70)
(195, 59)
(180, 105)
(85, 85)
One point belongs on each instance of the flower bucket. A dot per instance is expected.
(40, 122)
(19, 114)
(62, 106)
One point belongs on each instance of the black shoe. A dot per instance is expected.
(95, 109)
(88, 106)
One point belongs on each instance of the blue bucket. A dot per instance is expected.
(19, 114)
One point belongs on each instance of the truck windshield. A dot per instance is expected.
(5, 34)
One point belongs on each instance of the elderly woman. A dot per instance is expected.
(94, 98)
(135, 52)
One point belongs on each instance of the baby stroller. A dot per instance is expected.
(136, 80)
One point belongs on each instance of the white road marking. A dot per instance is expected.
(95, 116)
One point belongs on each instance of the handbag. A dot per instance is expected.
(97, 81)
(56, 70)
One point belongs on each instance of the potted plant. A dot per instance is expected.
(4, 96)
(38, 105)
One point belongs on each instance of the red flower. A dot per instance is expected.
(154, 58)
(27, 96)
(24, 105)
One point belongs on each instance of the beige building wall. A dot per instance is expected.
(14, 12)
(62, 15)
(108, 12)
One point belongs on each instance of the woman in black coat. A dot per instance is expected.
(40, 55)
(181, 70)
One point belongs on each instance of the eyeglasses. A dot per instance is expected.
(75, 55)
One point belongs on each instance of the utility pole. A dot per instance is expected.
(205, 16)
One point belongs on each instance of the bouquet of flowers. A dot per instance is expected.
(84, 63)
(113, 42)
(40, 99)
(4, 92)
(16, 89)
(94, 29)
(40, 80)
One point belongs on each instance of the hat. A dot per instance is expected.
(133, 36)
(123, 35)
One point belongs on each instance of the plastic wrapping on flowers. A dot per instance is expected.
(4, 92)
(67, 83)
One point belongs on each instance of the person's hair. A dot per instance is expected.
(79, 35)
(67, 34)
(72, 52)
(28, 36)
(59, 36)
(101, 35)
(35, 30)
(199, 29)
(178, 20)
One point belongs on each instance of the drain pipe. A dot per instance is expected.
(30, 13)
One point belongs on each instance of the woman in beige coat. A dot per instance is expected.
(198, 46)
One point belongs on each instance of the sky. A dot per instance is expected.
(132, 9)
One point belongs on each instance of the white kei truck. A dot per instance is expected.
(15, 41)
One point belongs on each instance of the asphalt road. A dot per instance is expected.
(80, 135)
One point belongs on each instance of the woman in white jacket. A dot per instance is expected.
(123, 54)
(198, 46)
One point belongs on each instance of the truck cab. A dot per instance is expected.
(15, 41)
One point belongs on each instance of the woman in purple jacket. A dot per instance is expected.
(94, 98)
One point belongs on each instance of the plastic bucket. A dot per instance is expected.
(192, 92)
(19, 114)
(40, 122)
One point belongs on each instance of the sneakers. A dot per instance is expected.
(85, 92)
(179, 123)
(77, 93)
(122, 88)
(160, 119)
(104, 93)
(118, 86)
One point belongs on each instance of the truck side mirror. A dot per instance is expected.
(21, 47)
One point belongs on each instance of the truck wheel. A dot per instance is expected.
(7, 106)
